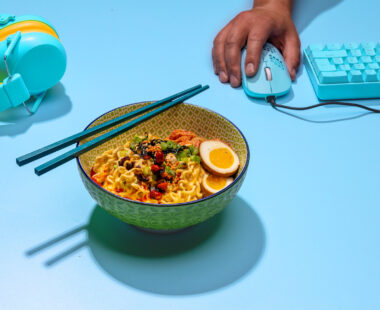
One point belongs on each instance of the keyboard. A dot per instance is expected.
(344, 71)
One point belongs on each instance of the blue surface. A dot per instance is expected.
(344, 71)
(302, 234)
(263, 84)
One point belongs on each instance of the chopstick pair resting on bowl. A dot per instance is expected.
(162, 105)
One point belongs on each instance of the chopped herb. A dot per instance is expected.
(137, 139)
(132, 145)
(169, 171)
(164, 146)
(146, 170)
(195, 158)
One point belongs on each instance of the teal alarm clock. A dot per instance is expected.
(32, 60)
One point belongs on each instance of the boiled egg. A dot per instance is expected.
(218, 158)
(212, 184)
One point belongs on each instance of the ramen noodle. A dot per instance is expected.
(150, 169)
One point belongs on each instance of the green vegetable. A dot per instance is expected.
(195, 158)
(115, 166)
(170, 144)
(146, 170)
(169, 171)
(132, 145)
(136, 139)
(195, 152)
(191, 148)
(154, 177)
(182, 165)
(183, 154)
(164, 146)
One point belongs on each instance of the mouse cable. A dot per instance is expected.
(272, 101)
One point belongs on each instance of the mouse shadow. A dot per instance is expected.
(17, 120)
(199, 259)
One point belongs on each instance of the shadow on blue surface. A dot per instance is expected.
(305, 11)
(17, 120)
(202, 258)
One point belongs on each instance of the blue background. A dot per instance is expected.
(303, 232)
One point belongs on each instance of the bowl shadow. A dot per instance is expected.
(202, 258)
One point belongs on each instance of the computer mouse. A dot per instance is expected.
(272, 77)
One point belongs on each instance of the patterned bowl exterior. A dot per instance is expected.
(165, 217)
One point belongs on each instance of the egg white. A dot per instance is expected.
(204, 151)
(209, 190)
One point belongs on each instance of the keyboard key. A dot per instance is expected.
(355, 76)
(328, 54)
(338, 61)
(355, 53)
(377, 58)
(328, 67)
(370, 75)
(334, 46)
(368, 45)
(316, 47)
(373, 66)
(351, 45)
(322, 62)
(366, 59)
(352, 60)
(369, 52)
(333, 77)
(346, 67)
(358, 66)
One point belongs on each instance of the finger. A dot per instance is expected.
(255, 42)
(291, 54)
(219, 62)
(234, 43)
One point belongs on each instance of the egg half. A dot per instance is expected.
(212, 184)
(219, 158)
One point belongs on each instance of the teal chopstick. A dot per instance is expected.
(27, 158)
(109, 135)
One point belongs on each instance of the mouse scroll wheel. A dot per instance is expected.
(268, 73)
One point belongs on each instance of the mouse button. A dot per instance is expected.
(281, 81)
(268, 73)
(257, 85)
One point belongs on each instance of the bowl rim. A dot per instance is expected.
(241, 174)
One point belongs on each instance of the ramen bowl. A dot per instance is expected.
(166, 217)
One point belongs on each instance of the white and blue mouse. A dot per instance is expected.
(272, 77)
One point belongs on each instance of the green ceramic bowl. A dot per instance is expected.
(166, 217)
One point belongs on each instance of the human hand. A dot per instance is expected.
(267, 21)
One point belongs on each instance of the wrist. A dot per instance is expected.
(284, 6)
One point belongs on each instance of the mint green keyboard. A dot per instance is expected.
(344, 71)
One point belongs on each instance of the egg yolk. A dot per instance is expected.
(216, 182)
(221, 157)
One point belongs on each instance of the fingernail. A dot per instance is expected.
(223, 77)
(234, 81)
(250, 69)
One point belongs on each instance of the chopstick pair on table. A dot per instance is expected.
(51, 164)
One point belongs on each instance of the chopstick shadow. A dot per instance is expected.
(17, 120)
(199, 259)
